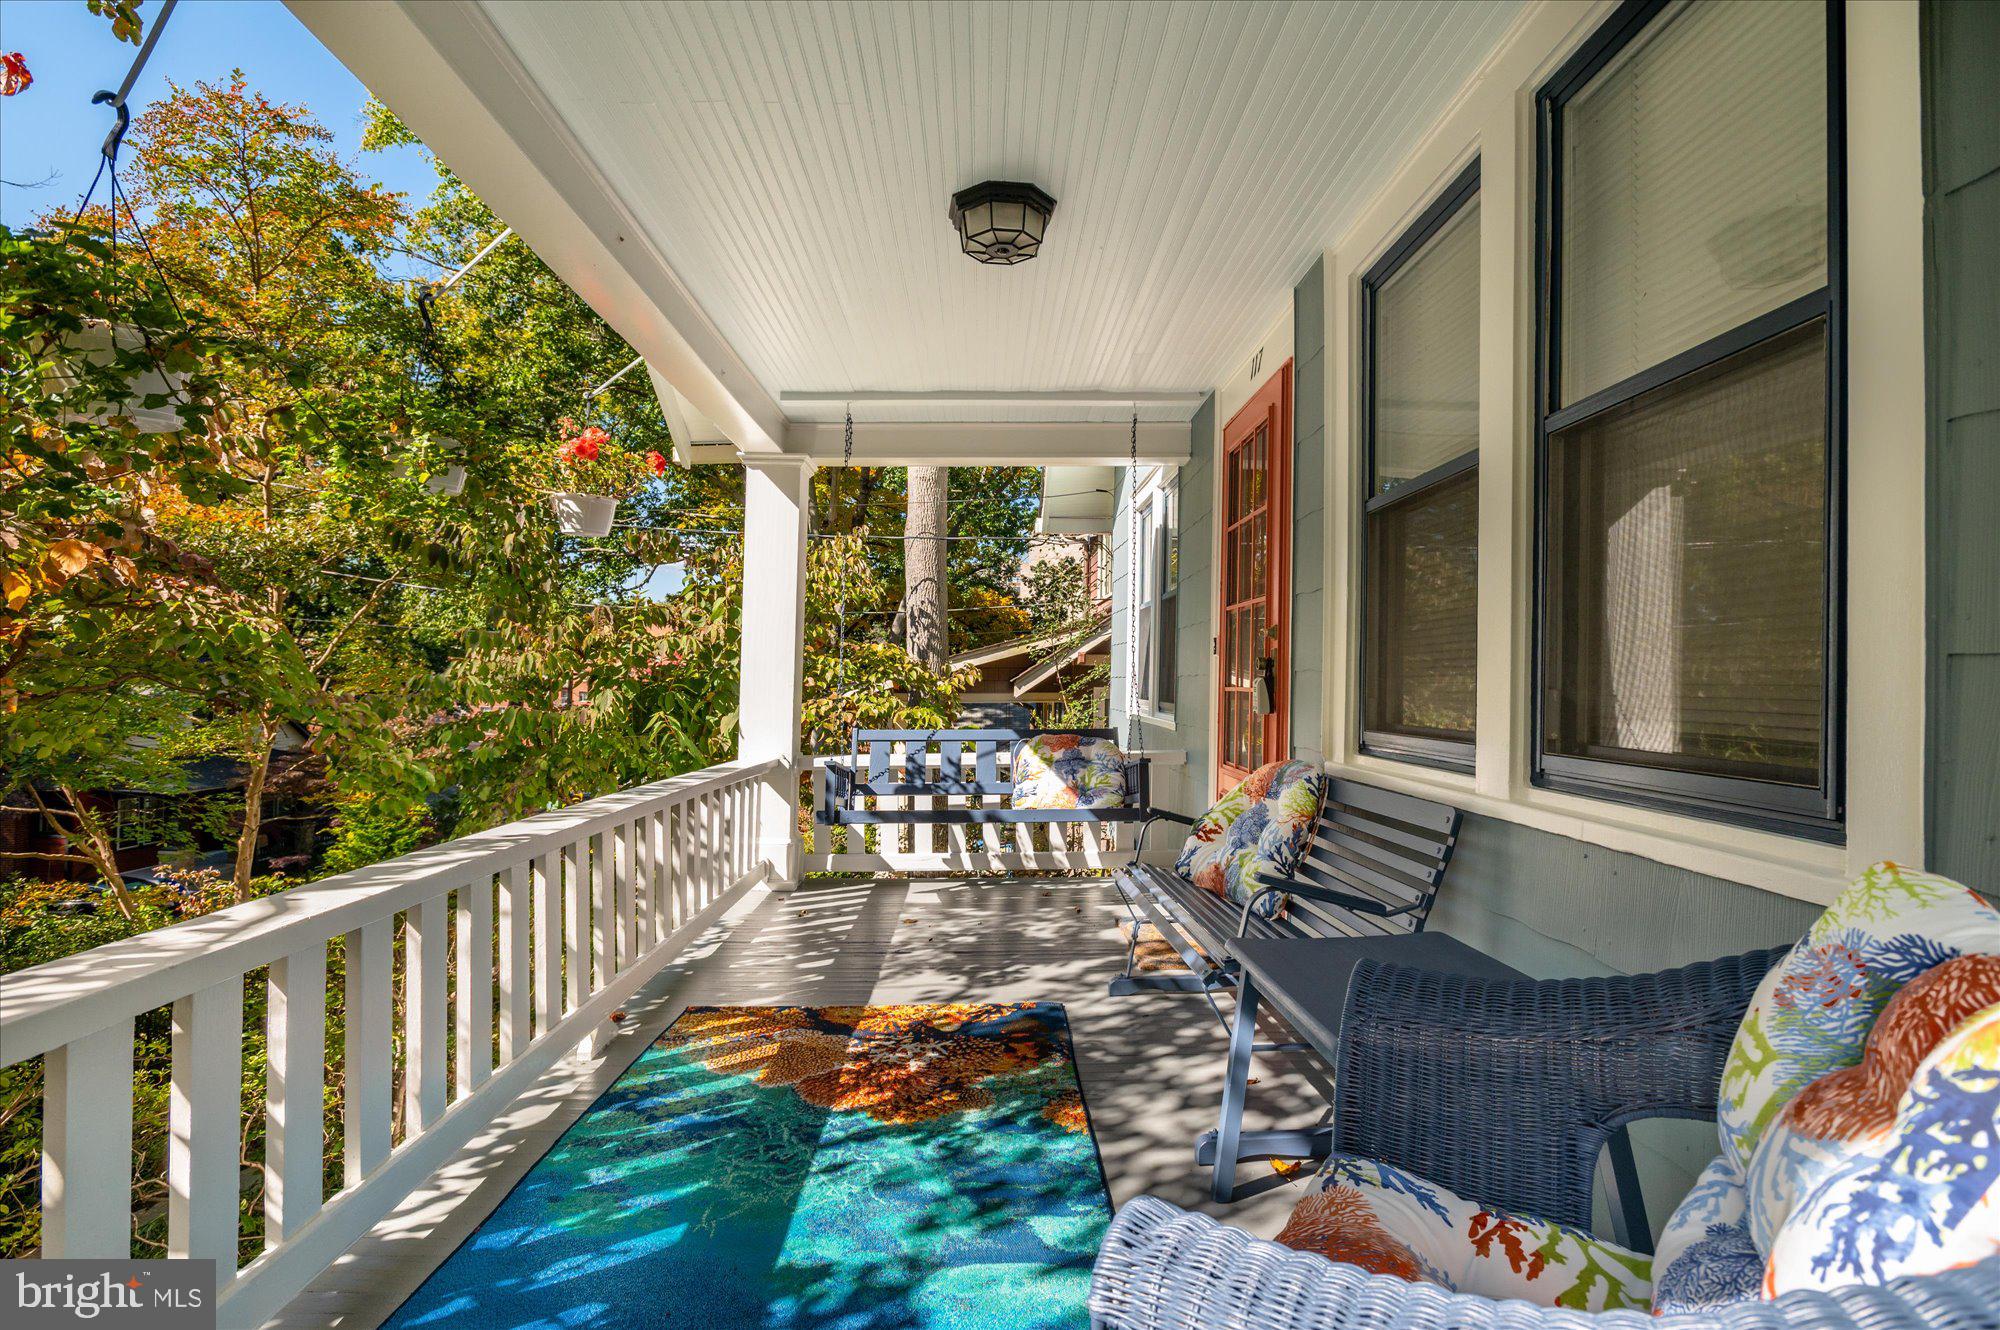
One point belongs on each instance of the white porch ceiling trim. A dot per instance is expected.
(481, 113)
(991, 443)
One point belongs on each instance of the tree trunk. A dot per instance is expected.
(253, 805)
(924, 598)
(96, 844)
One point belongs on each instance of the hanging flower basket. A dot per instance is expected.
(446, 480)
(591, 474)
(94, 345)
(584, 514)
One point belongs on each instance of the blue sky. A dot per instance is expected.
(53, 130)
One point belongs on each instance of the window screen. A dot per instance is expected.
(1687, 642)
(1420, 585)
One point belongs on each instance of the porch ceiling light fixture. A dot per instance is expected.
(1001, 221)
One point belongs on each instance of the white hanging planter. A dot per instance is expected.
(93, 345)
(584, 514)
(449, 481)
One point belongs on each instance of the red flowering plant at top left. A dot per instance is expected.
(592, 461)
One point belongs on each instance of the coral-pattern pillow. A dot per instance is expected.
(1256, 833)
(1813, 1012)
(1705, 1257)
(1849, 1113)
(1927, 1197)
(1068, 771)
(1390, 1222)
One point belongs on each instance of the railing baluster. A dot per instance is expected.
(576, 924)
(644, 892)
(515, 1030)
(686, 860)
(204, 1126)
(87, 1146)
(625, 866)
(369, 1078)
(475, 984)
(424, 1014)
(603, 910)
(294, 1093)
(660, 831)
(548, 942)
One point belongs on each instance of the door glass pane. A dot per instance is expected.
(1257, 552)
(1426, 368)
(1694, 186)
(1423, 613)
(1686, 624)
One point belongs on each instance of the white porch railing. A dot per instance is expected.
(961, 847)
(558, 919)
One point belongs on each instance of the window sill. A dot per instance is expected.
(1163, 720)
(1784, 865)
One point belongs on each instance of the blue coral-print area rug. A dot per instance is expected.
(805, 1168)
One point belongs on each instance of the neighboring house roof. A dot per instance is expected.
(1036, 675)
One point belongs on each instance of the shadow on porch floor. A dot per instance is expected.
(1151, 1065)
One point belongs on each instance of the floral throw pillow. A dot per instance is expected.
(1068, 771)
(1926, 1197)
(1849, 1113)
(1705, 1257)
(1390, 1222)
(1256, 833)
(1813, 1012)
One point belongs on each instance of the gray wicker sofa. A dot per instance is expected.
(1505, 1091)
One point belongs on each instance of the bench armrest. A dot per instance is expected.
(1507, 1089)
(1159, 815)
(1163, 1268)
(839, 790)
(1328, 895)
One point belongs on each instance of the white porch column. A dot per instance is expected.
(777, 501)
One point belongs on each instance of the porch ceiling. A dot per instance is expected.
(788, 168)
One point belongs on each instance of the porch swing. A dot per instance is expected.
(937, 766)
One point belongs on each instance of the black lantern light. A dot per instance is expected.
(1001, 221)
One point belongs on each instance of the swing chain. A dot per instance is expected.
(1132, 595)
(840, 607)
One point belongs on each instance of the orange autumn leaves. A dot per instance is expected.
(899, 1064)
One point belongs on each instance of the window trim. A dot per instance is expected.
(1816, 814)
(1156, 499)
(1443, 754)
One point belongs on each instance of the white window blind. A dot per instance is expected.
(1694, 186)
(1426, 385)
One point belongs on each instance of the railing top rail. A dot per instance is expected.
(49, 1005)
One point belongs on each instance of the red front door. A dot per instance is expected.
(1255, 531)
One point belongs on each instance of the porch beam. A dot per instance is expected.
(993, 443)
(1187, 403)
(777, 506)
(448, 73)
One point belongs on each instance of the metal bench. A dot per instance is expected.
(1373, 866)
(936, 764)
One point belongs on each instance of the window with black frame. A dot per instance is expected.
(1420, 424)
(1689, 407)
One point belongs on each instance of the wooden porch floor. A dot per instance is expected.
(1151, 1065)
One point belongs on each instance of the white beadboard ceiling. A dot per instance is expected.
(793, 164)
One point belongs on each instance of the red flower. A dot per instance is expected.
(14, 75)
(585, 447)
(658, 462)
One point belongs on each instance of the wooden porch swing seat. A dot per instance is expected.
(1372, 867)
(955, 764)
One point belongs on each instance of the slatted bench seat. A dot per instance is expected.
(1373, 866)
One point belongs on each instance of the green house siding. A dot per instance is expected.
(1961, 51)
(1308, 627)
